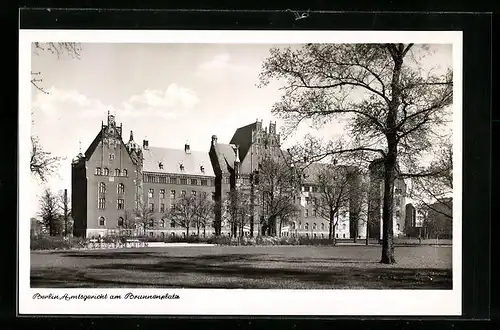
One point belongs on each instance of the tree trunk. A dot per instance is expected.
(332, 227)
(367, 234)
(204, 231)
(390, 160)
(187, 231)
(198, 230)
(280, 228)
(251, 225)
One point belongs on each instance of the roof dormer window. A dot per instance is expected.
(181, 166)
(202, 169)
(160, 165)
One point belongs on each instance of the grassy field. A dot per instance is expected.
(250, 267)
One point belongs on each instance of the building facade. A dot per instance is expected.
(114, 178)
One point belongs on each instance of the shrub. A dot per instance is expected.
(55, 242)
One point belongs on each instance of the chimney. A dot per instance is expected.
(237, 149)
(131, 136)
(214, 140)
(187, 149)
(145, 144)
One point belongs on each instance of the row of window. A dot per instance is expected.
(151, 193)
(105, 171)
(314, 226)
(151, 178)
(151, 223)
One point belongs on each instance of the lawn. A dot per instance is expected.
(247, 267)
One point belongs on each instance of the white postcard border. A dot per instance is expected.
(238, 301)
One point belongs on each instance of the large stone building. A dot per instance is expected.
(113, 178)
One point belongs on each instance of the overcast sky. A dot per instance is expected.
(168, 94)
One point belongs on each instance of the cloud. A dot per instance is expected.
(168, 103)
(62, 100)
(220, 64)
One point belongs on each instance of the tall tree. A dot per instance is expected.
(50, 212)
(183, 212)
(433, 191)
(65, 206)
(238, 210)
(204, 212)
(336, 188)
(144, 216)
(278, 184)
(391, 103)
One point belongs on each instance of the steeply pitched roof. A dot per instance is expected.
(243, 138)
(172, 158)
(226, 156)
(93, 145)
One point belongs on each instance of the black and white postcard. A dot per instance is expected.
(240, 172)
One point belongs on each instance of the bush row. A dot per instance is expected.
(60, 243)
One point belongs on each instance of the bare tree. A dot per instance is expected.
(183, 212)
(50, 211)
(278, 184)
(65, 206)
(204, 212)
(433, 191)
(42, 163)
(58, 49)
(238, 210)
(335, 186)
(392, 105)
(144, 216)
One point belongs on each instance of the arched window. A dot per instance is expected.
(117, 172)
(102, 187)
(121, 188)
(106, 171)
(120, 222)
(306, 226)
(322, 226)
(124, 172)
(162, 223)
(293, 225)
(397, 226)
(314, 226)
(98, 171)
(151, 223)
(102, 221)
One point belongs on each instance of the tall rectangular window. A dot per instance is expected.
(162, 193)
(150, 193)
(162, 207)
(306, 213)
(173, 180)
(203, 182)
(172, 194)
(183, 193)
(102, 203)
(183, 181)
(120, 204)
(152, 207)
(193, 193)
(194, 182)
